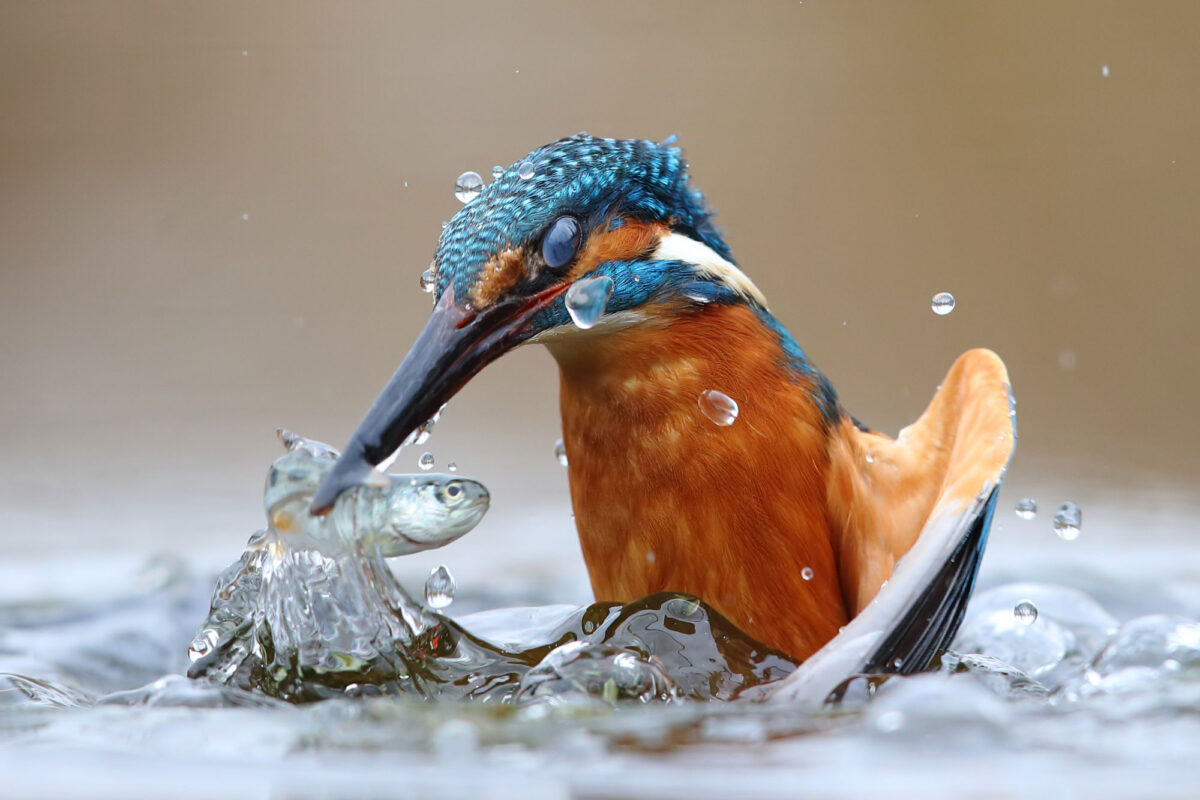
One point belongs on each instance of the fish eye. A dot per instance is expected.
(561, 242)
(452, 492)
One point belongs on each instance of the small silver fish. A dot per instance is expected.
(399, 514)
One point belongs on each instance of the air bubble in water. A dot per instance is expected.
(497, 171)
(1026, 508)
(718, 407)
(468, 186)
(439, 587)
(1067, 521)
(429, 279)
(1025, 612)
(587, 298)
(807, 573)
(942, 303)
(425, 462)
(526, 170)
(560, 452)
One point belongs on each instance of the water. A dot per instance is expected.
(718, 407)
(1026, 508)
(564, 699)
(942, 303)
(1025, 612)
(439, 587)
(429, 279)
(468, 186)
(560, 452)
(526, 170)
(1067, 521)
(425, 461)
(587, 299)
(807, 573)
(497, 171)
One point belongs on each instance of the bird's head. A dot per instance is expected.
(577, 209)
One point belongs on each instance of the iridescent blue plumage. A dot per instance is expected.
(582, 175)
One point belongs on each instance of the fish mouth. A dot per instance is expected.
(456, 343)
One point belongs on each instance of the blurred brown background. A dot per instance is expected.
(213, 216)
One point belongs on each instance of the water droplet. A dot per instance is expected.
(807, 573)
(942, 303)
(1026, 508)
(587, 299)
(425, 461)
(1067, 520)
(718, 407)
(526, 170)
(429, 279)
(650, 556)
(245, 217)
(870, 457)
(439, 587)
(1104, 71)
(468, 186)
(1025, 612)
(560, 452)
(497, 171)
(445, 224)
(451, 467)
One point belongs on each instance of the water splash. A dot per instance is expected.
(440, 587)
(311, 611)
(468, 186)
(1067, 521)
(718, 407)
(429, 279)
(587, 299)
(942, 303)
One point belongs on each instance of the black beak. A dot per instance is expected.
(455, 344)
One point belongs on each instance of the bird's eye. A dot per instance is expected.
(561, 242)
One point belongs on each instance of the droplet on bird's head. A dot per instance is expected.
(807, 573)
(1067, 521)
(1025, 612)
(718, 407)
(526, 170)
(587, 299)
(497, 171)
(439, 587)
(429, 279)
(425, 462)
(942, 303)
(468, 186)
(560, 452)
(1026, 508)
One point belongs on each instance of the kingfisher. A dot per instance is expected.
(707, 454)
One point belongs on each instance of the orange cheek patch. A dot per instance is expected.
(625, 243)
(498, 276)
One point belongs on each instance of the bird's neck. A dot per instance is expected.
(666, 498)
